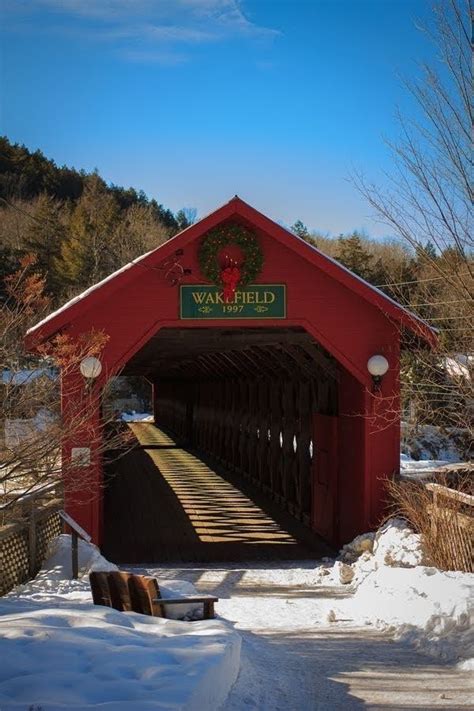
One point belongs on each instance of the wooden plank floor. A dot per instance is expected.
(163, 503)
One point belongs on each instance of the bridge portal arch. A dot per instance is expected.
(269, 377)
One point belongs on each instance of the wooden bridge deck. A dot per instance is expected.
(163, 503)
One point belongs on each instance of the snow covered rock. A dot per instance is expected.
(364, 566)
(137, 417)
(344, 572)
(396, 545)
(430, 446)
(361, 544)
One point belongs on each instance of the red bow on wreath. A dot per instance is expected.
(230, 278)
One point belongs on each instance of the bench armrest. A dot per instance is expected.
(208, 603)
(183, 600)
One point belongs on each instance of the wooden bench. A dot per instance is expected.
(137, 593)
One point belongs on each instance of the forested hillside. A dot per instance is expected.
(80, 228)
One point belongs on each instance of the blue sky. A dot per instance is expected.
(196, 100)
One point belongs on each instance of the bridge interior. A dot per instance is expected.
(163, 503)
(239, 406)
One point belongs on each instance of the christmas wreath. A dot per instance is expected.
(230, 274)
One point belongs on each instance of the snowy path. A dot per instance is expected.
(294, 660)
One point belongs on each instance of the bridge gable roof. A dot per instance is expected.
(235, 209)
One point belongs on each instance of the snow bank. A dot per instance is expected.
(21, 430)
(77, 656)
(27, 376)
(418, 470)
(433, 610)
(59, 651)
(53, 581)
(395, 589)
(396, 545)
(58, 558)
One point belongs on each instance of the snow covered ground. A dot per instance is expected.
(396, 589)
(376, 628)
(407, 463)
(59, 651)
(398, 634)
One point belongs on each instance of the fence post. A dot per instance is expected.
(74, 554)
(32, 540)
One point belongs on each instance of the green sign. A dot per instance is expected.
(254, 301)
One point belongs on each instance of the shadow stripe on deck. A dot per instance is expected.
(163, 503)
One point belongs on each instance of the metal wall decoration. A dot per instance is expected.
(172, 269)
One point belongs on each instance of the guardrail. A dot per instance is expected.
(24, 540)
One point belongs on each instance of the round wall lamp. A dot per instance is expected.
(90, 368)
(377, 366)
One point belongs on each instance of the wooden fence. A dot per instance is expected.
(24, 540)
(452, 527)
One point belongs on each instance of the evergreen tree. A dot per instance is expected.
(353, 255)
(45, 234)
(300, 229)
(9, 263)
(186, 217)
(395, 277)
(87, 253)
(428, 251)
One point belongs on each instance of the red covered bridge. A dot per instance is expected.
(257, 346)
